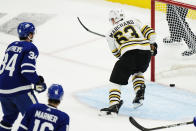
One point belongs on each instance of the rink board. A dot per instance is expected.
(161, 102)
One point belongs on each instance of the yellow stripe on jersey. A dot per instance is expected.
(144, 28)
(118, 54)
(146, 44)
(132, 41)
(135, 40)
(115, 50)
(152, 33)
(146, 31)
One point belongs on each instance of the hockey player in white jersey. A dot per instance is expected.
(133, 44)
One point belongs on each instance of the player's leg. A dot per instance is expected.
(119, 76)
(142, 60)
(139, 88)
(115, 101)
(114, 94)
(10, 114)
(24, 101)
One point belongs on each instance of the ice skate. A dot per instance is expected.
(112, 110)
(139, 98)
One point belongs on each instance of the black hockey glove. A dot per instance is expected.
(154, 47)
(40, 86)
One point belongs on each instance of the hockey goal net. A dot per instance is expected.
(175, 25)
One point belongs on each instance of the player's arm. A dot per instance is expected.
(28, 66)
(150, 35)
(25, 121)
(28, 69)
(146, 31)
(111, 43)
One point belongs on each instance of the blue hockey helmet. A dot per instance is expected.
(55, 92)
(25, 28)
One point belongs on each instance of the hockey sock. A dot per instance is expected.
(138, 80)
(114, 94)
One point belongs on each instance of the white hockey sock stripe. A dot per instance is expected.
(138, 80)
(137, 76)
(114, 96)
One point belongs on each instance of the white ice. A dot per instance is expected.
(80, 61)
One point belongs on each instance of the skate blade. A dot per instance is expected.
(137, 105)
(106, 114)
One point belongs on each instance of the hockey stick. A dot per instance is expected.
(136, 124)
(89, 30)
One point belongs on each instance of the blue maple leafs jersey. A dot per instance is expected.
(18, 69)
(41, 117)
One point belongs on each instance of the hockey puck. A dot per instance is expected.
(172, 85)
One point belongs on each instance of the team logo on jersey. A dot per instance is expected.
(27, 25)
(56, 92)
(48, 109)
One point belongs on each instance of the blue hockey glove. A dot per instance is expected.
(154, 47)
(40, 86)
(194, 121)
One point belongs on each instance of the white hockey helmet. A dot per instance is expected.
(116, 15)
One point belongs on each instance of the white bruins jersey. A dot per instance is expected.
(129, 35)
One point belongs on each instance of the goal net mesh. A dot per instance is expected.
(175, 25)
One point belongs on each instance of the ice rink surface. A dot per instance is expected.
(82, 62)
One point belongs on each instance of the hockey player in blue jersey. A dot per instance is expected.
(41, 117)
(17, 75)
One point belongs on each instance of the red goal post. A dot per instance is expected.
(153, 9)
